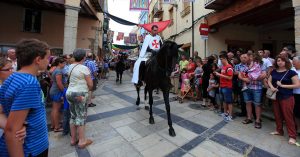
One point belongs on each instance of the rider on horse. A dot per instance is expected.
(151, 45)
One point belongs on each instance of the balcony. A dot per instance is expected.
(217, 4)
(157, 10)
(186, 11)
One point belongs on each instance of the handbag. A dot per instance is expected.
(272, 94)
(68, 81)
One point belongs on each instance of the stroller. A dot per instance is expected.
(187, 90)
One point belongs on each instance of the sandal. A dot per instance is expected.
(276, 133)
(292, 141)
(75, 143)
(58, 129)
(88, 142)
(257, 125)
(247, 121)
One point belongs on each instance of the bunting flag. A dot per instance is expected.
(169, 1)
(120, 36)
(162, 25)
(132, 37)
(139, 5)
(188, 0)
(126, 40)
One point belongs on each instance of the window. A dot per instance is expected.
(32, 21)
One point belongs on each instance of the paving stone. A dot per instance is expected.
(138, 116)
(106, 146)
(122, 122)
(140, 129)
(256, 152)
(70, 155)
(212, 149)
(188, 114)
(159, 150)
(147, 142)
(128, 133)
(182, 135)
(231, 143)
(125, 150)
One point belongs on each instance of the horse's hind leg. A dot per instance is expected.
(166, 99)
(151, 119)
(138, 95)
(145, 99)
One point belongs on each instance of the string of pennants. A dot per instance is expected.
(144, 4)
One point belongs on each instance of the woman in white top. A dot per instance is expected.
(80, 83)
(296, 63)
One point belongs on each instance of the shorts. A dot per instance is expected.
(297, 106)
(253, 95)
(78, 109)
(226, 95)
(57, 97)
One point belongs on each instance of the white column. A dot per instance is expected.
(70, 29)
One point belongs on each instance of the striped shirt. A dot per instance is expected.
(92, 66)
(22, 92)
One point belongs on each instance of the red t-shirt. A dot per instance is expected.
(227, 71)
(191, 67)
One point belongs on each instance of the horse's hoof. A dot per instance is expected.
(151, 120)
(137, 103)
(172, 132)
(147, 108)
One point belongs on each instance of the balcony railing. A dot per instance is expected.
(217, 4)
(185, 11)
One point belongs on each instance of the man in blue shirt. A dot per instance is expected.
(21, 99)
(93, 69)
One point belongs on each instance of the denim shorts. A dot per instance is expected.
(57, 97)
(253, 95)
(226, 95)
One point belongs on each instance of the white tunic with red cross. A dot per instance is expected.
(153, 42)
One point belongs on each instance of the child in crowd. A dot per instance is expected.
(254, 70)
(185, 84)
(212, 87)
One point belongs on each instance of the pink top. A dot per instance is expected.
(255, 71)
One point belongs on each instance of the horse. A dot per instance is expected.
(155, 73)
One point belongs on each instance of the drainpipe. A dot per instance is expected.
(193, 47)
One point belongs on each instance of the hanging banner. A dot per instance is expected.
(139, 5)
(132, 37)
(126, 40)
(120, 36)
(161, 25)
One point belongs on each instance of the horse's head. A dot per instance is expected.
(168, 56)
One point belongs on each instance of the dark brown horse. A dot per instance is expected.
(156, 74)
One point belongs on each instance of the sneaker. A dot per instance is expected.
(223, 115)
(228, 119)
(244, 88)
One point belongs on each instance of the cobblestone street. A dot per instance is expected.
(119, 130)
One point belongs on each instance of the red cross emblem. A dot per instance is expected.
(155, 43)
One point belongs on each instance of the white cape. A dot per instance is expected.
(142, 56)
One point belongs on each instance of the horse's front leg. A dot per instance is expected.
(167, 103)
(138, 95)
(151, 119)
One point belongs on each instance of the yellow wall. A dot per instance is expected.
(52, 30)
(11, 26)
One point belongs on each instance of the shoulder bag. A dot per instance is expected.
(271, 94)
(68, 81)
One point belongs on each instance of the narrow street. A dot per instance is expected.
(119, 130)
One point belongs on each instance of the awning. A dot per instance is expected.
(123, 47)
